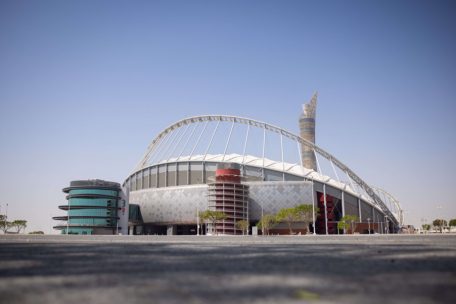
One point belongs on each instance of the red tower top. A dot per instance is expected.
(228, 173)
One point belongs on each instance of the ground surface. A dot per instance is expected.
(297, 269)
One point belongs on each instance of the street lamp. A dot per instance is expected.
(386, 224)
(369, 224)
(313, 208)
(197, 221)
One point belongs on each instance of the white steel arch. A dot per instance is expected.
(268, 127)
(393, 201)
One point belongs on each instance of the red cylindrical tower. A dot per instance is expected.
(229, 195)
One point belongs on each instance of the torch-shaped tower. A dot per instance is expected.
(307, 131)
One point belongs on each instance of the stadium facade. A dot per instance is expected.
(175, 179)
(246, 169)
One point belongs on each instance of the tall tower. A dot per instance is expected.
(307, 131)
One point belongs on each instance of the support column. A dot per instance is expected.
(326, 210)
(359, 209)
(373, 218)
(264, 145)
(188, 172)
(313, 207)
(166, 175)
(343, 207)
(281, 153)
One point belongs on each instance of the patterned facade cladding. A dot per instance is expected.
(273, 196)
(178, 205)
(171, 205)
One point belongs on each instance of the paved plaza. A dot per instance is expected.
(201, 269)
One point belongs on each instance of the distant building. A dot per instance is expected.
(94, 207)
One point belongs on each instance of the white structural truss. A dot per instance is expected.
(173, 141)
(392, 203)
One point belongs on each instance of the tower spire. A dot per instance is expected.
(307, 131)
(309, 109)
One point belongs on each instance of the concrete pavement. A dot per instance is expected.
(191, 269)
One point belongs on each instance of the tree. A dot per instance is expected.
(4, 224)
(288, 215)
(266, 222)
(439, 224)
(243, 225)
(452, 223)
(343, 225)
(426, 227)
(306, 215)
(19, 225)
(213, 217)
(347, 222)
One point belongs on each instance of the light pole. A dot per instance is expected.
(386, 224)
(197, 221)
(369, 224)
(313, 208)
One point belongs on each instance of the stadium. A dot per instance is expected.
(247, 169)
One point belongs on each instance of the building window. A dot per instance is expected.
(172, 175)
(196, 173)
(162, 176)
(182, 174)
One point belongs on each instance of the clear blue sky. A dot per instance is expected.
(85, 86)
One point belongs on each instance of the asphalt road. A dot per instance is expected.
(294, 269)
